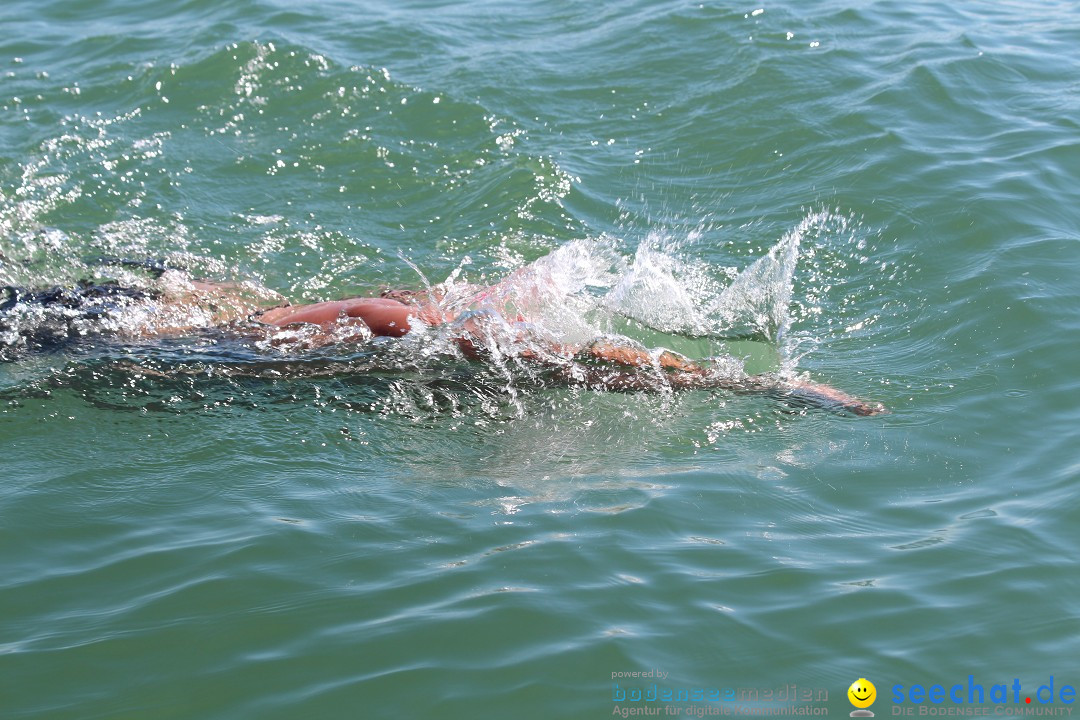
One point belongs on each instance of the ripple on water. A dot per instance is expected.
(297, 534)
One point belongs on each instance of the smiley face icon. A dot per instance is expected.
(862, 694)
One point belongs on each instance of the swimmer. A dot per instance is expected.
(602, 364)
(622, 367)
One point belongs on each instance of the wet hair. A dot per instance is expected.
(405, 296)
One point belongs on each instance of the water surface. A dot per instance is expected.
(219, 544)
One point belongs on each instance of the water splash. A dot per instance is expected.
(663, 290)
(759, 299)
(652, 296)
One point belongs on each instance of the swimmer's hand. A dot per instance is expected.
(686, 374)
(825, 397)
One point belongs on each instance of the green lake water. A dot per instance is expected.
(434, 541)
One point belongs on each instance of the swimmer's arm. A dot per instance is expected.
(804, 393)
(634, 357)
(685, 374)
